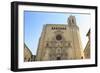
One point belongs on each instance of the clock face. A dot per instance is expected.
(58, 37)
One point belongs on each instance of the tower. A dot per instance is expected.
(60, 42)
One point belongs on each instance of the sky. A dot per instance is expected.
(34, 21)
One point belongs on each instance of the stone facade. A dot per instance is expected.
(27, 54)
(87, 48)
(60, 42)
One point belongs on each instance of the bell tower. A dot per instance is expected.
(72, 20)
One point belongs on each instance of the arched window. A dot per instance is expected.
(52, 27)
(72, 21)
(47, 45)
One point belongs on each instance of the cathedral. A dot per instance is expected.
(60, 42)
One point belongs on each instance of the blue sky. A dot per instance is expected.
(34, 21)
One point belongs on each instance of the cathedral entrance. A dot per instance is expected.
(58, 58)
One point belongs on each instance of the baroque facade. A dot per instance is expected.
(60, 42)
